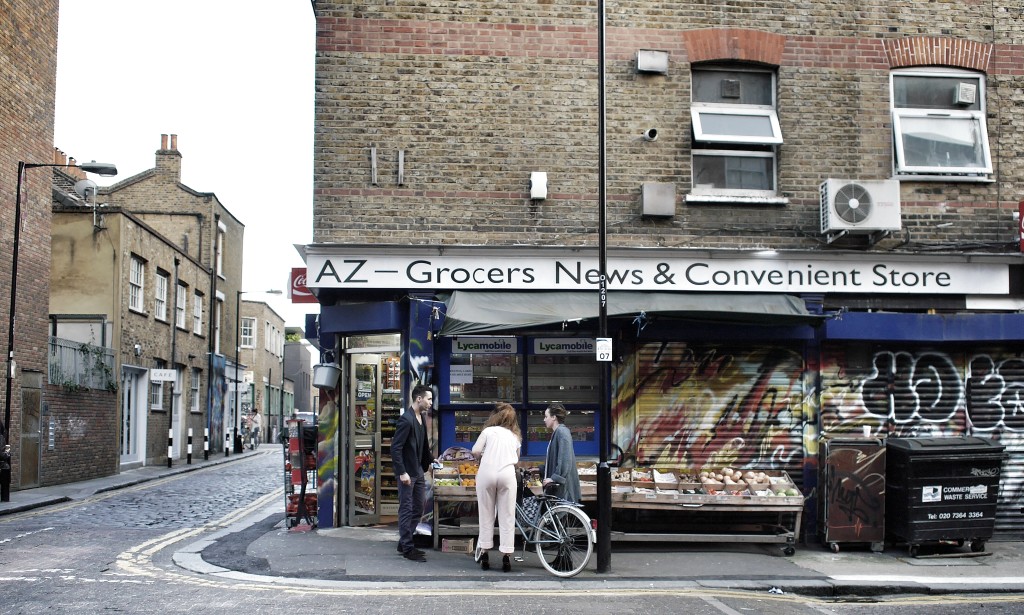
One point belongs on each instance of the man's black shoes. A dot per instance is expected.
(413, 550)
(415, 555)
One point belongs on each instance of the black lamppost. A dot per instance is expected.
(604, 476)
(100, 168)
(238, 350)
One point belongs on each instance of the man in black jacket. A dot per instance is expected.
(410, 455)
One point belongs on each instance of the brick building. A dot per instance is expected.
(262, 355)
(811, 219)
(29, 45)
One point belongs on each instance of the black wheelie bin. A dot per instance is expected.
(941, 490)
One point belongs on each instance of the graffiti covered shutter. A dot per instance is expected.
(907, 391)
(994, 397)
(703, 405)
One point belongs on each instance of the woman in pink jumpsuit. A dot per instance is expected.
(498, 450)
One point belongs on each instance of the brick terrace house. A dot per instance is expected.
(811, 219)
(262, 354)
(181, 267)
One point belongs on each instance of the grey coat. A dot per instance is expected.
(560, 465)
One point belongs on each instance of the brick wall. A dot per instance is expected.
(85, 435)
(480, 94)
(28, 44)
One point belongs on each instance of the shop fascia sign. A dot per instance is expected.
(786, 275)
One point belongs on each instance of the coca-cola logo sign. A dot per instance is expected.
(300, 294)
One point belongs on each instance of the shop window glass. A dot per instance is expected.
(568, 379)
(479, 378)
(580, 424)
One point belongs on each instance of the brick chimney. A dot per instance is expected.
(168, 161)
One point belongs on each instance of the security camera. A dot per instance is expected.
(650, 134)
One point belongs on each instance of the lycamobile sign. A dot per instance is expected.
(486, 345)
(563, 346)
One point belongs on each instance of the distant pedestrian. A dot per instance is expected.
(255, 425)
(5, 474)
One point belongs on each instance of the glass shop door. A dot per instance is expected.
(364, 441)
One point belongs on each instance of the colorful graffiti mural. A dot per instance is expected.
(696, 406)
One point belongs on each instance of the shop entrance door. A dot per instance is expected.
(375, 399)
(364, 441)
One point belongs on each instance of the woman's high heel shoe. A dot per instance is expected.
(506, 564)
(485, 563)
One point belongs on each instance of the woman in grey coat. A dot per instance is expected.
(560, 464)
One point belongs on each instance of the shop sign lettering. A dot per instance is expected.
(826, 275)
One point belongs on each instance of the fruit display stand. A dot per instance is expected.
(766, 510)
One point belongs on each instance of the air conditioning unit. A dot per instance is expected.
(856, 206)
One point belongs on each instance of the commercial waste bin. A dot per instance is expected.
(941, 490)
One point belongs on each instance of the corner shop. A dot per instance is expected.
(722, 358)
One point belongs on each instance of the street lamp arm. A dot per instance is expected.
(100, 168)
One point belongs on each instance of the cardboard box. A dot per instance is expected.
(457, 545)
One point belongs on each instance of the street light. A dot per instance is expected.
(238, 350)
(604, 475)
(100, 168)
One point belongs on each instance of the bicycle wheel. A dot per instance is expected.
(564, 546)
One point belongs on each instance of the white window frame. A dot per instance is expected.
(197, 314)
(248, 332)
(221, 232)
(697, 189)
(156, 395)
(902, 114)
(700, 134)
(180, 306)
(197, 375)
(136, 284)
(704, 136)
(160, 295)
(217, 318)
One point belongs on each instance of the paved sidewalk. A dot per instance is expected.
(261, 548)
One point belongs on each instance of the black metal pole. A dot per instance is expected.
(14, 295)
(238, 344)
(604, 478)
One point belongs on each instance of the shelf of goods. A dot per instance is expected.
(751, 506)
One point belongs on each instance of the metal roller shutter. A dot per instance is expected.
(705, 405)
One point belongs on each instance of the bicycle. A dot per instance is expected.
(561, 532)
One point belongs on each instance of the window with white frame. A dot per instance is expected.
(735, 130)
(136, 284)
(248, 333)
(268, 336)
(220, 252)
(197, 375)
(180, 306)
(938, 122)
(156, 391)
(218, 310)
(160, 295)
(197, 314)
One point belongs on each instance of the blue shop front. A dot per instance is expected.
(721, 359)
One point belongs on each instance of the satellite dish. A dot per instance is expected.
(85, 187)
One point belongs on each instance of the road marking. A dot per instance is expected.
(24, 534)
(720, 606)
